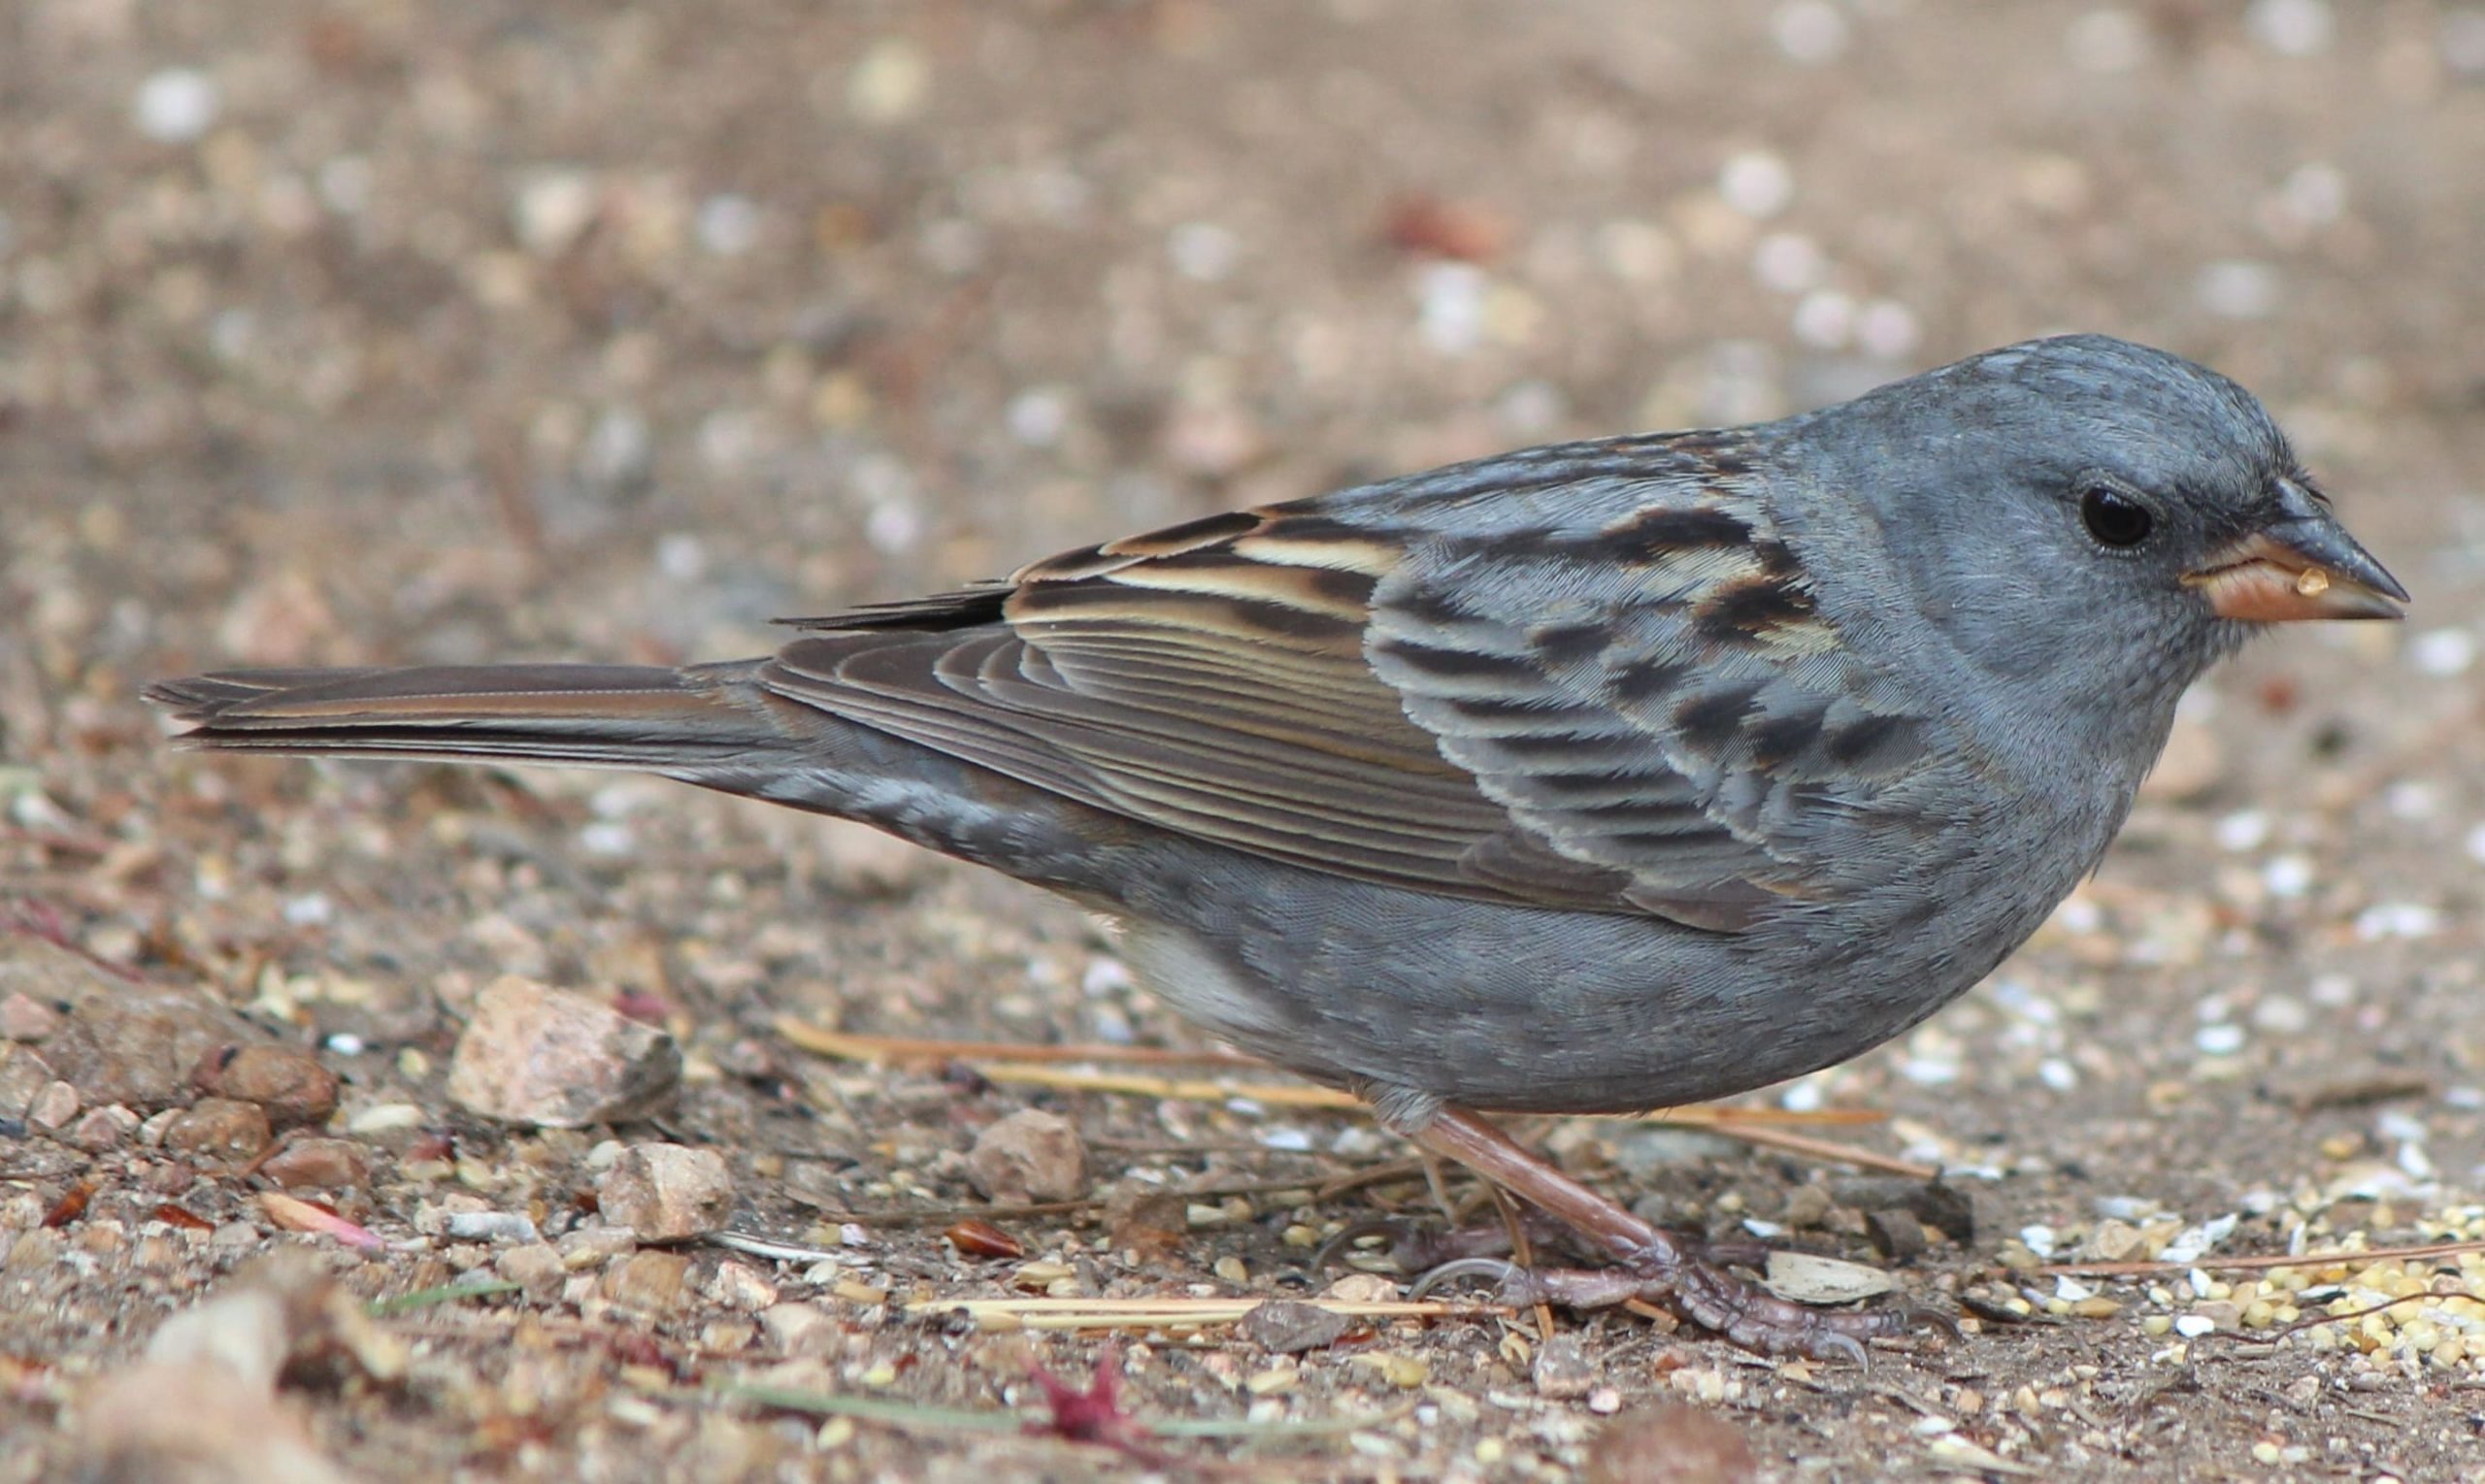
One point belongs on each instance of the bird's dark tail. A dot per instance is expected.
(640, 718)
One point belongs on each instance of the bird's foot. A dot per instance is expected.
(1699, 1290)
(1650, 1263)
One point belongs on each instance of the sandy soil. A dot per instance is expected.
(362, 331)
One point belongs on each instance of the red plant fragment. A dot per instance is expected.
(976, 1237)
(71, 1204)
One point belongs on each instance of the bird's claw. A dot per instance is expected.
(1703, 1292)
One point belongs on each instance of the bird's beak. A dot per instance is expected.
(2302, 566)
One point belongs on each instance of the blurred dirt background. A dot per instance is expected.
(367, 331)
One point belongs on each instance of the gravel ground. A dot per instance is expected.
(360, 331)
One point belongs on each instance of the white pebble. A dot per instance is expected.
(2289, 875)
(1757, 183)
(1203, 252)
(889, 83)
(2194, 1325)
(728, 225)
(1806, 1097)
(1038, 417)
(2395, 1127)
(2396, 919)
(1825, 318)
(2238, 288)
(1104, 976)
(1451, 307)
(2334, 990)
(345, 1043)
(2071, 1290)
(2442, 652)
(1925, 1072)
(552, 209)
(1788, 262)
(1810, 31)
(2057, 1074)
(1887, 330)
(893, 526)
(2039, 1240)
(2281, 1013)
(2412, 800)
(2106, 40)
(607, 838)
(2079, 916)
(1287, 1137)
(177, 105)
(2192, 1241)
(2243, 830)
(309, 909)
(2219, 1039)
(681, 556)
(2291, 28)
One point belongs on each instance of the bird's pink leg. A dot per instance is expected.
(1651, 1265)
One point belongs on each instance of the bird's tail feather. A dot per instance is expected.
(642, 717)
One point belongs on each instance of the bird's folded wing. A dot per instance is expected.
(1358, 699)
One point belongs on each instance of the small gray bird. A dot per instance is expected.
(1587, 779)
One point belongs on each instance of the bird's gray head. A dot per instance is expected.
(2088, 521)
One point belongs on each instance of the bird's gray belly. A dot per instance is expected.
(1523, 1009)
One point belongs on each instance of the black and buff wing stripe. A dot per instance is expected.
(1622, 717)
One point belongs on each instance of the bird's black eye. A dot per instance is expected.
(2114, 518)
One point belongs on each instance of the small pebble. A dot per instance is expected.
(2442, 652)
(220, 1127)
(537, 1055)
(800, 1329)
(2219, 1039)
(100, 1129)
(1812, 32)
(2296, 28)
(2237, 288)
(1562, 1371)
(25, 1018)
(331, 1164)
(289, 1084)
(1030, 1155)
(1285, 1327)
(667, 1192)
(1757, 182)
(889, 83)
(177, 105)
